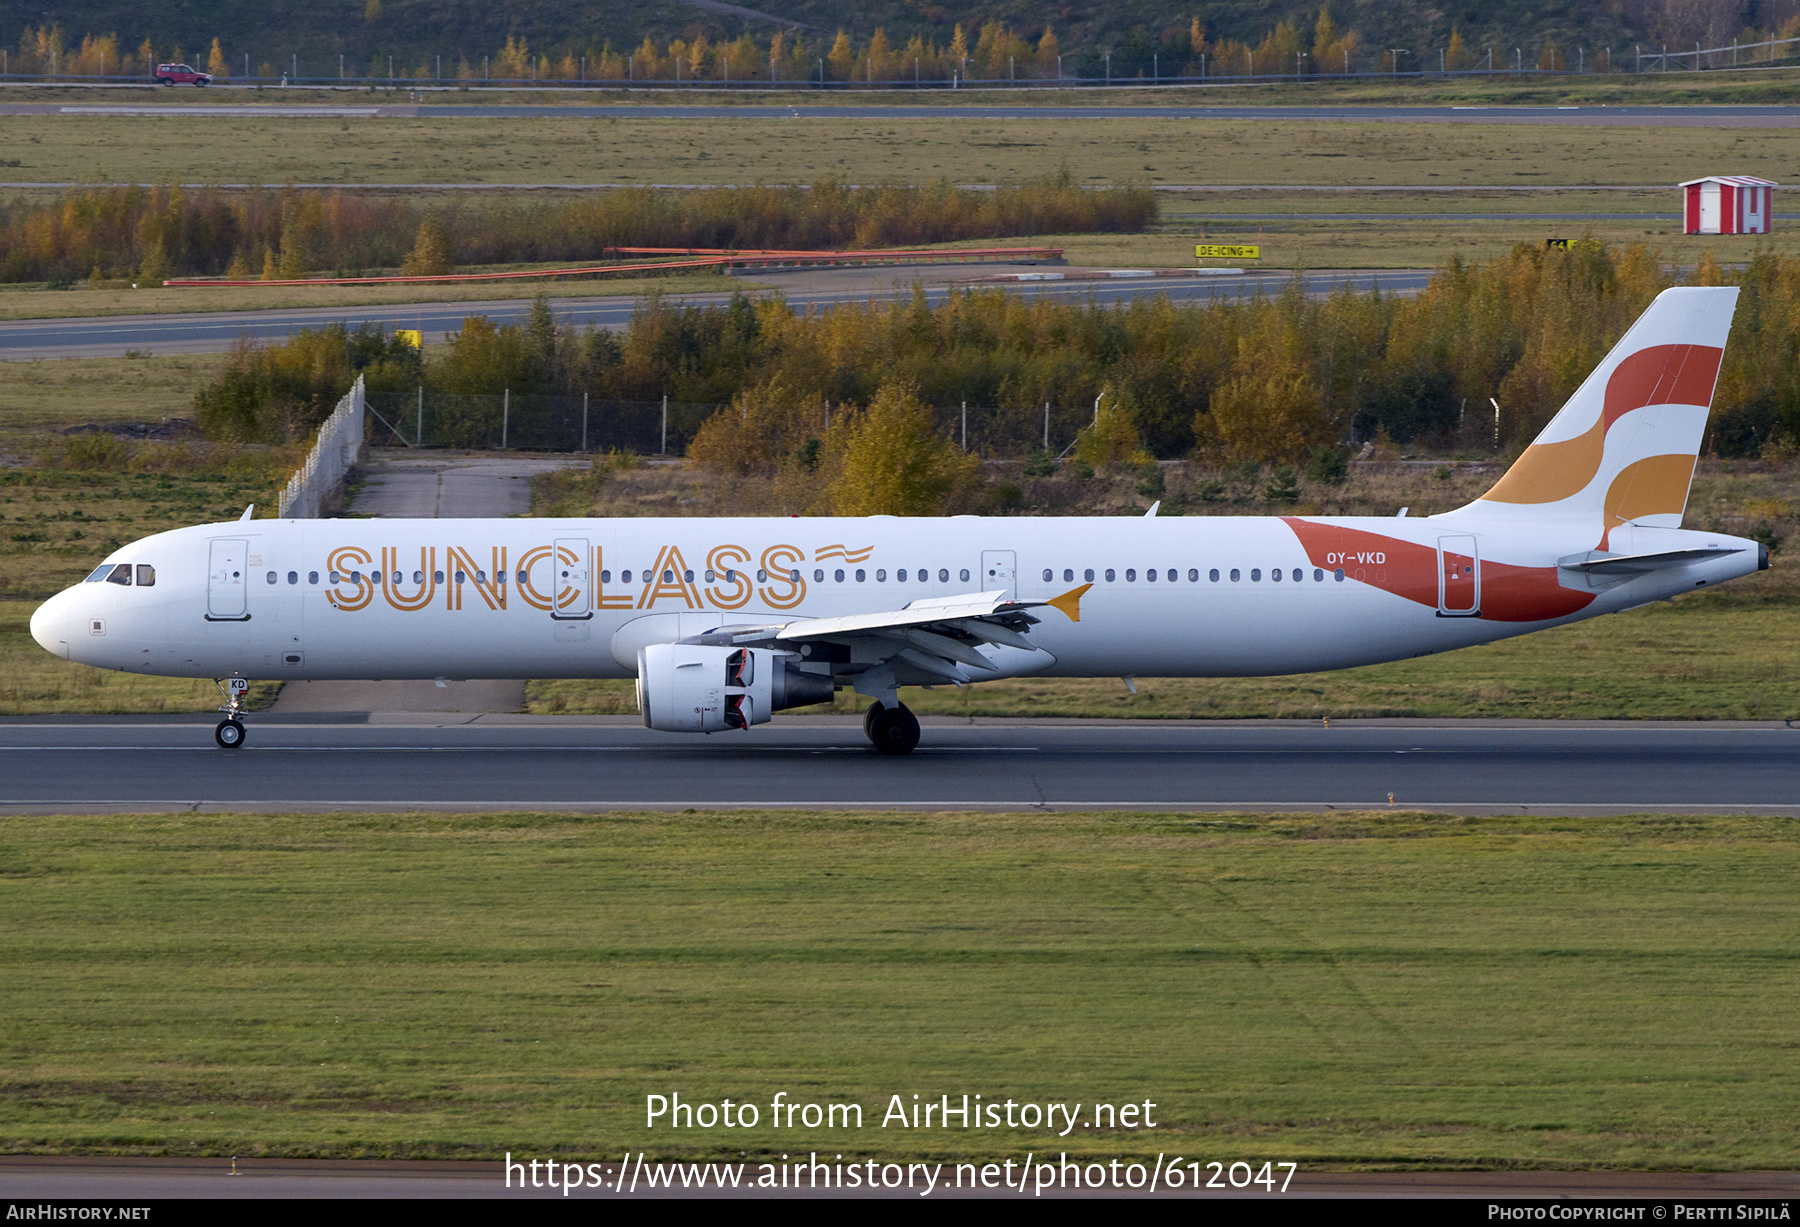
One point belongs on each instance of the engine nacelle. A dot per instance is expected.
(701, 688)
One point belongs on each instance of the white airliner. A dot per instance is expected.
(726, 621)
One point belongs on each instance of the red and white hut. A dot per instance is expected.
(1729, 204)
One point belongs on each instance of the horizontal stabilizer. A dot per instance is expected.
(1599, 562)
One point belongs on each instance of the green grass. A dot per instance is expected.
(1388, 988)
(36, 302)
(1151, 151)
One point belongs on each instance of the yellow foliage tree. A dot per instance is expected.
(430, 256)
(841, 59)
(1457, 56)
(890, 460)
(1048, 51)
(215, 62)
(1274, 416)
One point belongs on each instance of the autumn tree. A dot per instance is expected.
(890, 460)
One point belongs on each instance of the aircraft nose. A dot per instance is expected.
(50, 624)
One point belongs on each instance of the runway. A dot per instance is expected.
(91, 1178)
(469, 762)
(216, 331)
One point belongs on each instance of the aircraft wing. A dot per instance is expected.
(939, 636)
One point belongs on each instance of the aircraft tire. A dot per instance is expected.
(229, 734)
(895, 731)
(875, 709)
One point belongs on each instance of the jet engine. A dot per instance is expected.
(702, 688)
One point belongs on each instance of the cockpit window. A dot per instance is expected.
(100, 573)
(121, 574)
(146, 575)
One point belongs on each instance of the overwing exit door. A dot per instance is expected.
(570, 563)
(1459, 577)
(998, 569)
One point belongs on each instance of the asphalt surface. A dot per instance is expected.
(399, 760)
(215, 332)
(24, 1177)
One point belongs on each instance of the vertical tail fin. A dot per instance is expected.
(1622, 449)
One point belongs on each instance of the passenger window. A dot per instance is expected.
(1174, 575)
(500, 577)
(1275, 575)
(418, 577)
(1048, 575)
(1339, 574)
(271, 577)
(793, 575)
(899, 576)
(861, 575)
(668, 576)
(100, 573)
(624, 577)
(1068, 575)
(356, 577)
(818, 576)
(710, 577)
(121, 575)
(605, 576)
(964, 575)
(838, 575)
(437, 577)
(943, 575)
(146, 575)
(293, 577)
(312, 577)
(1109, 575)
(1298, 575)
(730, 576)
(1256, 575)
(1213, 575)
(881, 577)
(462, 577)
(1088, 575)
(1150, 575)
(1193, 575)
(1131, 575)
(762, 576)
(335, 578)
(688, 576)
(1318, 576)
(1235, 575)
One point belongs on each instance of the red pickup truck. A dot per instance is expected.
(180, 74)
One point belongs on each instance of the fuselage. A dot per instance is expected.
(577, 598)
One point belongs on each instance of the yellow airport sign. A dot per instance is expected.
(1229, 251)
(412, 336)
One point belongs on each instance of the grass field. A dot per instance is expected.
(1388, 988)
(36, 302)
(1151, 151)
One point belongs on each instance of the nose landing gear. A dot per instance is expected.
(230, 731)
(892, 730)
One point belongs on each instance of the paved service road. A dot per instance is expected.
(534, 762)
(215, 332)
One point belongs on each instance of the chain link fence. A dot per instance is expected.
(512, 421)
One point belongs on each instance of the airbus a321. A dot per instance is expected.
(724, 622)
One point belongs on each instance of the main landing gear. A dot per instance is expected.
(892, 730)
(230, 732)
